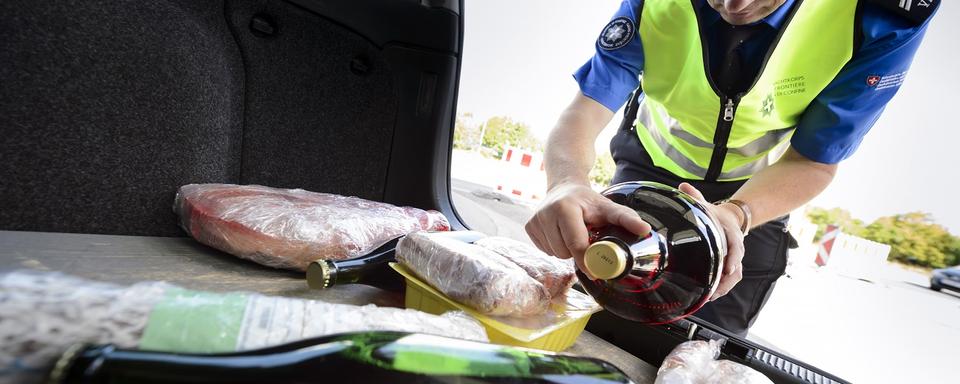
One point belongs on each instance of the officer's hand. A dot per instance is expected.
(730, 224)
(559, 227)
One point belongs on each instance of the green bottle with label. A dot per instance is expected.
(365, 357)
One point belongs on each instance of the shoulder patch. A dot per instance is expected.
(617, 33)
(917, 11)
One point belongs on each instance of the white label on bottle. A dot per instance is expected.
(270, 321)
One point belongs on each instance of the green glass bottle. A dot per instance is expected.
(366, 357)
(370, 269)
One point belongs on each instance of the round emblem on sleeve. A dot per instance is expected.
(617, 33)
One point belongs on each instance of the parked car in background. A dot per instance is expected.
(948, 278)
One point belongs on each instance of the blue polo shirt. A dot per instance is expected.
(835, 122)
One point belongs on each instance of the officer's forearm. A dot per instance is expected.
(569, 153)
(784, 186)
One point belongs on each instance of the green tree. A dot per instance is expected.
(502, 131)
(603, 169)
(953, 251)
(465, 135)
(823, 217)
(914, 238)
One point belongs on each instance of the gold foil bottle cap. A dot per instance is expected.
(605, 260)
(318, 274)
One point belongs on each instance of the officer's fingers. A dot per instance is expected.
(552, 235)
(625, 218)
(727, 282)
(690, 190)
(732, 264)
(536, 235)
(573, 230)
(735, 251)
(557, 243)
(575, 235)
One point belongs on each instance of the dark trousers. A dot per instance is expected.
(765, 256)
(764, 261)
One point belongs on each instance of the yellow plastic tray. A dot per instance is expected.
(554, 331)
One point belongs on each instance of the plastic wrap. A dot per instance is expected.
(694, 362)
(42, 314)
(473, 275)
(554, 330)
(289, 228)
(555, 274)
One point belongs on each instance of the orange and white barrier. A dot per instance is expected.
(523, 174)
(826, 244)
(857, 257)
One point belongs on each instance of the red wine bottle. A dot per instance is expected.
(365, 357)
(661, 277)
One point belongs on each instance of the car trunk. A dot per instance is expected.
(107, 107)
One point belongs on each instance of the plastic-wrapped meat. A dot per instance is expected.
(694, 362)
(473, 275)
(555, 274)
(289, 228)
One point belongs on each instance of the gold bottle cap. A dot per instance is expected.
(605, 260)
(318, 274)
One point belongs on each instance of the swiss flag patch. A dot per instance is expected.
(872, 80)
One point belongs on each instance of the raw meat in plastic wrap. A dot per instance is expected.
(694, 362)
(43, 313)
(289, 228)
(555, 274)
(473, 275)
(728, 372)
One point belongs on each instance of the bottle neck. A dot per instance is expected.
(371, 268)
(628, 254)
(355, 270)
(646, 254)
(322, 274)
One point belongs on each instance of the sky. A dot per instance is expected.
(519, 57)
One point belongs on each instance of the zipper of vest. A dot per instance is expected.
(728, 105)
(728, 109)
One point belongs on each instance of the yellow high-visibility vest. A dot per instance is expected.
(691, 129)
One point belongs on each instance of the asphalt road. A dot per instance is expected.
(892, 329)
(487, 211)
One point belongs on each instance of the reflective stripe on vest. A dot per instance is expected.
(766, 146)
(681, 119)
